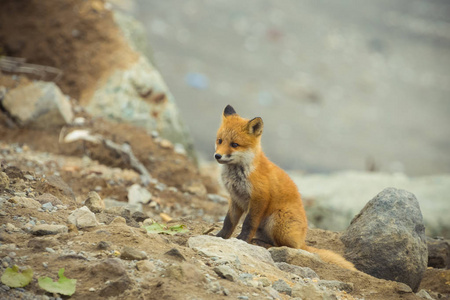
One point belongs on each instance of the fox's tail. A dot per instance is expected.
(331, 257)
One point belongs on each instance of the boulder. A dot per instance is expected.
(333, 202)
(387, 238)
(38, 104)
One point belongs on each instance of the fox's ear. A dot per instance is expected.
(255, 126)
(229, 110)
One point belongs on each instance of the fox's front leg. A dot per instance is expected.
(251, 222)
(232, 218)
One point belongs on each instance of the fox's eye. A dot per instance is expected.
(219, 141)
(234, 145)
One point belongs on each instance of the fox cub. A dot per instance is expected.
(258, 188)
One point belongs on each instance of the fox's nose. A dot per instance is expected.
(217, 156)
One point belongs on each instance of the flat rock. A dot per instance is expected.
(233, 251)
(46, 229)
(130, 253)
(387, 238)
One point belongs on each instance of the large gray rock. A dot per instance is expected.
(387, 238)
(334, 199)
(39, 104)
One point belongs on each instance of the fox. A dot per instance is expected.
(260, 190)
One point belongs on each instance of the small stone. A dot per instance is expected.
(83, 218)
(92, 290)
(118, 221)
(174, 252)
(138, 195)
(282, 287)
(139, 216)
(102, 245)
(226, 272)
(46, 229)
(47, 206)
(50, 250)
(403, 288)
(145, 266)
(130, 253)
(179, 149)
(242, 297)
(94, 202)
(165, 217)
(29, 177)
(166, 144)
(264, 281)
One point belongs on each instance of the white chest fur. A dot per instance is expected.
(235, 178)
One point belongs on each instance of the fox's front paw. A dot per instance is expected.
(222, 234)
(243, 237)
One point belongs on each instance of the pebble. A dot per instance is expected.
(47, 206)
(242, 297)
(50, 250)
(130, 253)
(29, 177)
(45, 265)
(282, 287)
(226, 272)
(92, 290)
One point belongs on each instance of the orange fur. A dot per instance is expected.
(260, 190)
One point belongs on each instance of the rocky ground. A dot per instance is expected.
(43, 184)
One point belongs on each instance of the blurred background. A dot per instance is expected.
(339, 84)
